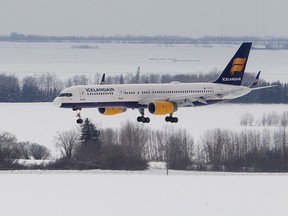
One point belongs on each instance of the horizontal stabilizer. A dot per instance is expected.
(263, 87)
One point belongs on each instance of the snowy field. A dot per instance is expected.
(60, 58)
(146, 193)
(39, 122)
(142, 194)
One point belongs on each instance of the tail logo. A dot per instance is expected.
(237, 65)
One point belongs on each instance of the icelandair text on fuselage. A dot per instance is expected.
(99, 89)
(231, 79)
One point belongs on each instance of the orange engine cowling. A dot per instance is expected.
(162, 107)
(112, 110)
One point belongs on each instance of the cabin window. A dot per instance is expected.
(65, 95)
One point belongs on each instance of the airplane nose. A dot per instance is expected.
(57, 102)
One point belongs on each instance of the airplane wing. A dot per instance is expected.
(184, 100)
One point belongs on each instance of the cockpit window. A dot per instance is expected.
(65, 95)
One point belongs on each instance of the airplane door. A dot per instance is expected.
(120, 96)
(82, 94)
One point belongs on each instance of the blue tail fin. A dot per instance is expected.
(234, 71)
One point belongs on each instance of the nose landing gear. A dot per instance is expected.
(78, 115)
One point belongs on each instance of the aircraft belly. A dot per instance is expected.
(132, 105)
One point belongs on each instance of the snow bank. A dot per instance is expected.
(33, 162)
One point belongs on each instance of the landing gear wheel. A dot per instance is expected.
(171, 119)
(142, 118)
(79, 121)
(147, 120)
(175, 120)
(78, 115)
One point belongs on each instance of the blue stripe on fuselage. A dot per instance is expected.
(130, 105)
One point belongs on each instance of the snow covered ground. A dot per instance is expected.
(93, 193)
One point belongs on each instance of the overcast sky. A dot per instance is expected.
(193, 18)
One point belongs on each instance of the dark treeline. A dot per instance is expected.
(277, 94)
(42, 88)
(133, 146)
(264, 43)
(247, 150)
(45, 87)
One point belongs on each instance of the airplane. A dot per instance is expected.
(160, 99)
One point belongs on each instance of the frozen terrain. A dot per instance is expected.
(127, 194)
(60, 58)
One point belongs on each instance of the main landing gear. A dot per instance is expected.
(78, 115)
(142, 118)
(171, 119)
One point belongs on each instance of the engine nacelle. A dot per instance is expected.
(162, 107)
(112, 110)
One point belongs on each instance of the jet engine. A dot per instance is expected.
(112, 110)
(162, 107)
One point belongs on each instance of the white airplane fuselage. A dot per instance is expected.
(140, 95)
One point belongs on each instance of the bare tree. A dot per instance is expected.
(284, 119)
(25, 149)
(7, 142)
(247, 119)
(272, 119)
(177, 147)
(134, 138)
(109, 136)
(215, 143)
(67, 142)
(39, 152)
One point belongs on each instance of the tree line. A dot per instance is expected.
(133, 145)
(45, 87)
(266, 120)
(265, 43)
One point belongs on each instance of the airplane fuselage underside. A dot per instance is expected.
(129, 105)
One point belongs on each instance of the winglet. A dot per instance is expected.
(234, 71)
(103, 80)
(255, 80)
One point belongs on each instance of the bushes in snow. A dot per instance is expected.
(11, 149)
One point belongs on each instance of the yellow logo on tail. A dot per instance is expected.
(237, 65)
